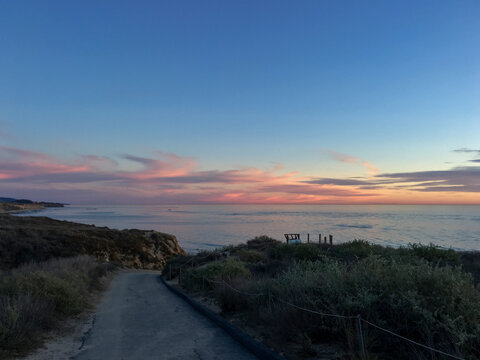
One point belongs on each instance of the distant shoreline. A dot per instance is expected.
(22, 206)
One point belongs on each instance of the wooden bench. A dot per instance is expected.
(293, 238)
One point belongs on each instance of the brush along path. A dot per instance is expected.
(141, 319)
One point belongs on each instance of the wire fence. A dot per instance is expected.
(359, 319)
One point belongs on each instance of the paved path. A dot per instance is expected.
(139, 318)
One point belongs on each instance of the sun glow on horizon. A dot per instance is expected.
(169, 178)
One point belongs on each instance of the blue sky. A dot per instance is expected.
(245, 83)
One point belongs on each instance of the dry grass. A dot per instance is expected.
(36, 296)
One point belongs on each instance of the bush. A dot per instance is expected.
(175, 266)
(420, 292)
(262, 242)
(437, 306)
(206, 276)
(21, 317)
(471, 263)
(68, 297)
(35, 296)
(296, 252)
(356, 249)
(251, 256)
(435, 254)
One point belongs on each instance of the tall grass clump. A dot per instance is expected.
(34, 297)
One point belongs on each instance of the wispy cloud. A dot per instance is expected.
(349, 159)
(170, 178)
(371, 169)
(467, 150)
(474, 152)
(458, 179)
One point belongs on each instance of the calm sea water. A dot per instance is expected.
(210, 226)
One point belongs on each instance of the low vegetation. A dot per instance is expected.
(50, 269)
(37, 296)
(425, 293)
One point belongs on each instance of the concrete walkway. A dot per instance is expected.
(141, 319)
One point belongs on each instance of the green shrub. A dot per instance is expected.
(437, 306)
(471, 263)
(356, 249)
(262, 242)
(180, 264)
(251, 256)
(435, 254)
(419, 292)
(206, 275)
(296, 252)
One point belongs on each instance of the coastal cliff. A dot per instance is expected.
(34, 238)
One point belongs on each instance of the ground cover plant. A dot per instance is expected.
(424, 293)
(35, 297)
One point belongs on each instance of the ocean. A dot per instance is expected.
(209, 226)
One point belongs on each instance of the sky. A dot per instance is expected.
(322, 102)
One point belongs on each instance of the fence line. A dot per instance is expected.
(313, 311)
(414, 342)
(242, 292)
(223, 282)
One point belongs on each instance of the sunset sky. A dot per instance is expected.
(123, 102)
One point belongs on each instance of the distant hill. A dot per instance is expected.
(11, 205)
(17, 201)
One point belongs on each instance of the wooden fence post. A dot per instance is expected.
(331, 239)
(308, 238)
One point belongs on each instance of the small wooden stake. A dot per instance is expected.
(325, 239)
(319, 238)
(331, 239)
(308, 238)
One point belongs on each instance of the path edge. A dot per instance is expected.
(257, 348)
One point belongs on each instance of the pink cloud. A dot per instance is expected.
(169, 178)
(167, 165)
(371, 169)
(16, 163)
(349, 159)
